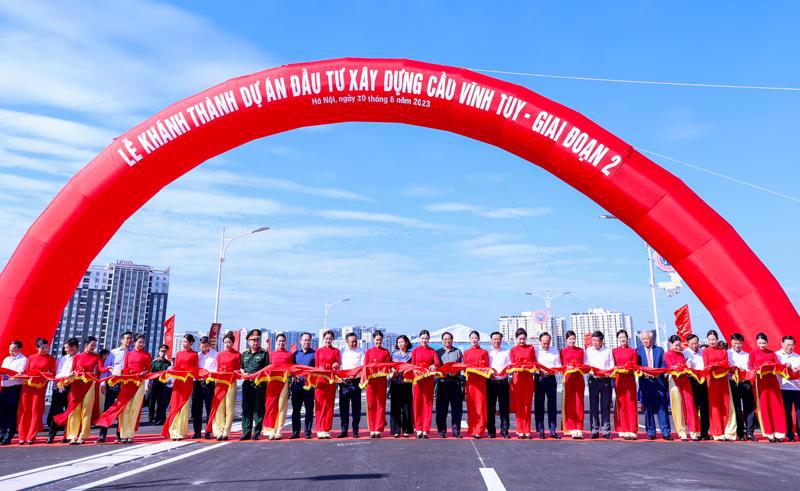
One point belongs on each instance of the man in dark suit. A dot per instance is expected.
(653, 390)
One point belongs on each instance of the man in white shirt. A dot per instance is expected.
(59, 398)
(600, 357)
(203, 393)
(742, 391)
(115, 360)
(790, 389)
(349, 391)
(694, 359)
(546, 386)
(9, 395)
(497, 393)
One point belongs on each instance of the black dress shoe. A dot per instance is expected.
(196, 436)
(244, 437)
(220, 438)
(651, 437)
(208, 435)
(555, 436)
(752, 438)
(356, 434)
(542, 436)
(257, 436)
(607, 436)
(457, 434)
(308, 436)
(419, 436)
(65, 440)
(424, 436)
(667, 437)
(504, 434)
(295, 435)
(442, 434)
(594, 436)
(342, 435)
(790, 438)
(51, 439)
(492, 435)
(102, 439)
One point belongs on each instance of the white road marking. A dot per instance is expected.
(490, 477)
(69, 462)
(146, 468)
(64, 470)
(492, 480)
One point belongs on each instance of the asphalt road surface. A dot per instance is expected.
(405, 463)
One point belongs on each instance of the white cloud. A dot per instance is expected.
(141, 55)
(424, 192)
(510, 247)
(209, 177)
(380, 218)
(454, 207)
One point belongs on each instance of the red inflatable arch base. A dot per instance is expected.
(712, 258)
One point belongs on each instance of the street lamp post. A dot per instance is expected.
(328, 307)
(223, 246)
(548, 300)
(652, 287)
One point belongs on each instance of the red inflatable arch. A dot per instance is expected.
(712, 258)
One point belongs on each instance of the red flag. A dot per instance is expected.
(683, 324)
(213, 334)
(267, 343)
(236, 339)
(169, 333)
(587, 340)
(293, 348)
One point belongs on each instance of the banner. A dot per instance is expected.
(683, 324)
(716, 263)
(169, 334)
(213, 334)
(237, 336)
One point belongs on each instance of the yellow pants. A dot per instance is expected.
(223, 419)
(129, 417)
(283, 406)
(79, 422)
(180, 425)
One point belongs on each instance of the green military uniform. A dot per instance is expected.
(253, 396)
(159, 398)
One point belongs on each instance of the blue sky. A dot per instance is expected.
(420, 228)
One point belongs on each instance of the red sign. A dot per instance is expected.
(213, 333)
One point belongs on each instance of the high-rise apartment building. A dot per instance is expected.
(115, 298)
(602, 320)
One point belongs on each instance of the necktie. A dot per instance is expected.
(649, 358)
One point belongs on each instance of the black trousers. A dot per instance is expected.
(112, 392)
(9, 402)
(497, 395)
(253, 400)
(157, 405)
(302, 398)
(791, 402)
(449, 395)
(58, 404)
(700, 393)
(546, 388)
(600, 404)
(350, 402)
(745, 405)
(401, 418)
(202, 396)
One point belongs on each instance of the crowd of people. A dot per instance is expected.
(715, 392)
